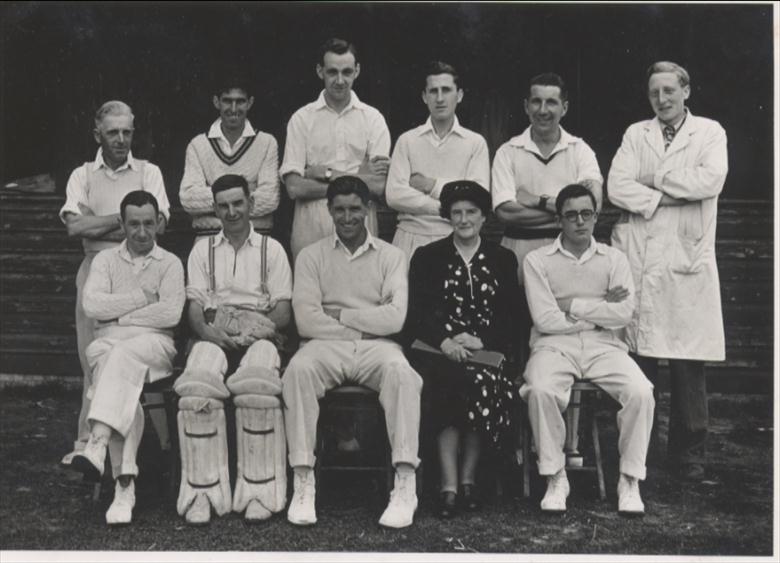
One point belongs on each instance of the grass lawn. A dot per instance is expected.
(43, 507)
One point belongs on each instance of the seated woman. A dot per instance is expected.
(464, 297)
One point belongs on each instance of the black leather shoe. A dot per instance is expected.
(447, 504)
(469, 498)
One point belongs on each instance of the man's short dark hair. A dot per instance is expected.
(347, 185)
(230, 80)
(138, 198)
(463, 190)
(573, 191)
(228, 182)
(549, 79)
(439, 67)
(338, 46)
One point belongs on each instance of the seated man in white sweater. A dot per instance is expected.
(135, 291)
(349, 296)
(427, 157)
(580, 293)
(231, 146)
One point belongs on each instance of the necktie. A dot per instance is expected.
(669, 133)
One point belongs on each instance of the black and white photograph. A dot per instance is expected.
(298, 281)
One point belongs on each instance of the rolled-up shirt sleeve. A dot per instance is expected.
(295, 146)
(75, 192)
(503, 179)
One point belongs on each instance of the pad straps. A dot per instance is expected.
(212, 280)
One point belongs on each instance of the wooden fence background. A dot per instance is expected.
(38, 264)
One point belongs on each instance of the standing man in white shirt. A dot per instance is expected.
(335, 135)
(231, 146)
(581, 294)
(427, 157)
(666, 176)
(530, 169)
(91, 213)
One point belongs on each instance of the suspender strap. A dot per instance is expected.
(212, 280)
(264, 265)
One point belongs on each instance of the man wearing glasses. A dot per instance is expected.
(581, 294)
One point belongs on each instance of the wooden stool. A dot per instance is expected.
(574, 461)
(355, 400)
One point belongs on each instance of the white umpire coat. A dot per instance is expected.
(671, 250)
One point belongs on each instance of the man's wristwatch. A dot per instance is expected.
(543, 202)
(328, 174)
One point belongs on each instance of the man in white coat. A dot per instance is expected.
(666, 176)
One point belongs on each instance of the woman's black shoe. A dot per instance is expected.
(447, 504)
(469, 498)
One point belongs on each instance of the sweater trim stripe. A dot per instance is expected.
(236, 156)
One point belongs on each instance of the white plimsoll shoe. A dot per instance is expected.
(199, 512)
(403, 501)
(121, 510)
(557, 491)
(629, 500)
(301, 511)
(92, 460)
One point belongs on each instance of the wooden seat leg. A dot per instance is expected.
(526, 459)
(597, 450)
(571, 447)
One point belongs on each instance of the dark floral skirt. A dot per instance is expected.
(472, 397)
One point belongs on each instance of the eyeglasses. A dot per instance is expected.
(585, 214)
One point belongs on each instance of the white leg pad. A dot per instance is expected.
(261, 472)
(204, 457)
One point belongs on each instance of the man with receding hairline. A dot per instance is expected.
(666, 176)
(91, 213)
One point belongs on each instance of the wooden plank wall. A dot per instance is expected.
(38, 264)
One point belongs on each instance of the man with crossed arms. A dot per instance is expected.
(427, 157)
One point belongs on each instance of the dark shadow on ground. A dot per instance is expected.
(729, 513)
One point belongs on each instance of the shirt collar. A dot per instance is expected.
(370, 242)
(594, 248)
(124, 253)
(254, 238)
(677, 127)
(99, 162)
(457, 128)
(525, 142)
(354, 103)
(215, 131)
